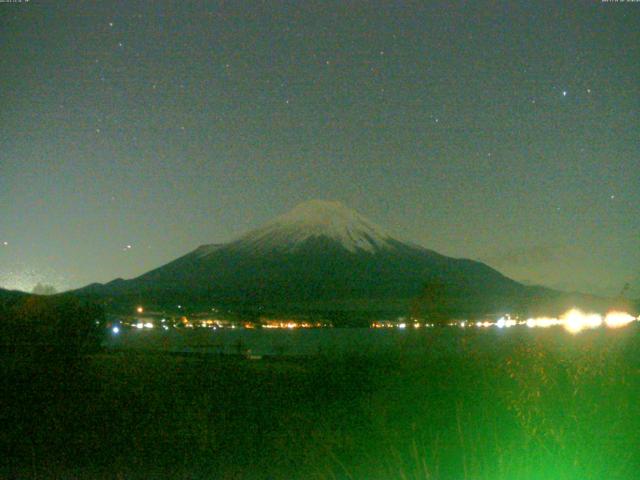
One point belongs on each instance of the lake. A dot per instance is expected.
(338, 341)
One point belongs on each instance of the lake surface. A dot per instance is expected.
(343, 341)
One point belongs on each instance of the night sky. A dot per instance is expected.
(132, 132)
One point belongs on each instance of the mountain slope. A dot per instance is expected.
(323, 256)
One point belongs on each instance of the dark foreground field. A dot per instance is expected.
(538, 406)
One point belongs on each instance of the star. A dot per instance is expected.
(111, 24)
(6, 244)
(120, 44)
(564, 93)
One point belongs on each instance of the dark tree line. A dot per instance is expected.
(55, 324)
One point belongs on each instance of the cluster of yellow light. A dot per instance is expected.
(209, 323)
(542, 322)
(575, 321)
(141, 325)
(484, 324)
(291, 324)
(400, 325)
(383, 325)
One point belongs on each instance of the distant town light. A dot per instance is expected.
(115, 330)
(575, 321)
(139, 309)
(618, 319)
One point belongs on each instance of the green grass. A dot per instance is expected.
(533, 406)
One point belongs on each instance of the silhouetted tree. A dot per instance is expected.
(431, 304)
(60, 324)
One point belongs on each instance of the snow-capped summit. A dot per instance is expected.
(317, 219)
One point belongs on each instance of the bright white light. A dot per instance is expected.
(593, 320)
(575, 321)
(618, 319)
(139, 309)
(165, 327)
(139, 325)
(402, 325)
(148, 325)
(115, 330)
(501, 323)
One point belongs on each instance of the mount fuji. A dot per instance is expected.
(322, 257)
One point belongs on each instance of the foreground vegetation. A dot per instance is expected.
(536, 405)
